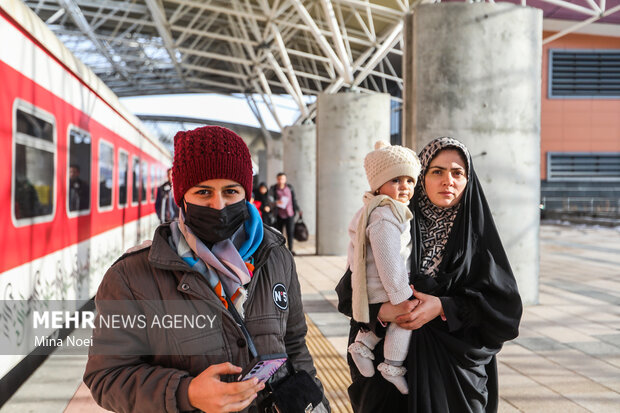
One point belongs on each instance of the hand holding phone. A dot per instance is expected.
(263, 367)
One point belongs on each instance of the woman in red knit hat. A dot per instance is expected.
(218, 261)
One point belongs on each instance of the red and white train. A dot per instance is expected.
(78, 172)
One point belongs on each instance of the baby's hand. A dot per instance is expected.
(389, 312)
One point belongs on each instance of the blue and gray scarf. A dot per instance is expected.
(227, 265)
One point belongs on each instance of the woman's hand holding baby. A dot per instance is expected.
(427, 308)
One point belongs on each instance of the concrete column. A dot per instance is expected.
(262, 165)
(299, 143)
(473, 71)
(348, 125)
(274, 160)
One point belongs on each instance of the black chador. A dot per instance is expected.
(451, 364)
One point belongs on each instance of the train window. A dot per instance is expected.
(143, 187)
(154, 181)
(78, 195)
(106, 168)
(160, 178)
(135, 196)
(123, 177)
(33, 164)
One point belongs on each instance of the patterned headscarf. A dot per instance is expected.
(436, 222)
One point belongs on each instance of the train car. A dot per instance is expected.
(78, 175)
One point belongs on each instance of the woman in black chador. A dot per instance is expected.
(466, 301)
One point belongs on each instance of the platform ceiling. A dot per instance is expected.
(295, 47)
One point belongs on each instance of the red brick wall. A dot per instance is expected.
(577, 125)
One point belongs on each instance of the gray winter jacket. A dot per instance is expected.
(158, 383)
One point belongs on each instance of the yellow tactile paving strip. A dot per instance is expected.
(331, 368)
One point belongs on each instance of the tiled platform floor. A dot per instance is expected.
(566, 359)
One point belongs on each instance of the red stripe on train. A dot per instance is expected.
(21, 245)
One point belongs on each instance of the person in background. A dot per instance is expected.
(257, 204)
(27, 203)
(266, 202)
(167, 210)
(79, 192)
(285, 207)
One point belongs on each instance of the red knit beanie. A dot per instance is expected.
(209, 152)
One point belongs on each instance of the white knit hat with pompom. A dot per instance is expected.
(387, 162)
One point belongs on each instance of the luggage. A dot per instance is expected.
(300, 232)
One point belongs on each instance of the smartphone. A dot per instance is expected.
(263, 367)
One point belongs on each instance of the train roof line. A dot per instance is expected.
(25, 18)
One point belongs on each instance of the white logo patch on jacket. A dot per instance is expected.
(280, 296)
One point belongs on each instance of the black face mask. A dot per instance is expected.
(214, 225)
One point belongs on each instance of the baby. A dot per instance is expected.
(378, 256)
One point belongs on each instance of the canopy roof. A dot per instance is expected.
(264, 47)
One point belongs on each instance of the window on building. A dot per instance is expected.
(566, 166)
(78, 193)
(584, 73)
(135, 188)
(106, 168)
(123, 177)
(33, 164)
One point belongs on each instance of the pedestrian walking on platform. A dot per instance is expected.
(218, 260)
(167, 210)
(286, 207)
(466, 303)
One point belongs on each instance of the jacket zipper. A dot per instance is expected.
(260, 262)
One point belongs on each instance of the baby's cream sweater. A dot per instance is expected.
(388, 248)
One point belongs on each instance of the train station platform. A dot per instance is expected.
(566, 359)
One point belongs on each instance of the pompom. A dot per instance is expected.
(381, 144)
